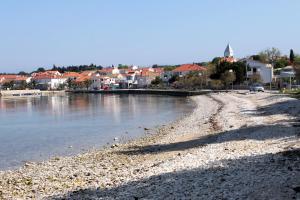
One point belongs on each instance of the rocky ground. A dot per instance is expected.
(233, 146)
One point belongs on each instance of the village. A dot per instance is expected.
(142, 100)
(268, 68)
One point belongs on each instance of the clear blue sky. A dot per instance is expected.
(37, 33)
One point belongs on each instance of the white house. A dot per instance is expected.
(127, 80)
(287, 76)
(49, 80)
(188, 68)
(97, 80)
(287, 72)
(256, 67)
(51, 83)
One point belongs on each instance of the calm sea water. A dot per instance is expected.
(36, 128)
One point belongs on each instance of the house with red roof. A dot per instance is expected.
(48, 80)
(71, 75)
(185, 69)
(16, 79)
(144, 76)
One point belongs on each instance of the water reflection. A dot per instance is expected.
(38, 127)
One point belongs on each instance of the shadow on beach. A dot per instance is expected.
(269, 176)
(261, 132)
(289, 107)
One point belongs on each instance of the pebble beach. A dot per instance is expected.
(234, 145)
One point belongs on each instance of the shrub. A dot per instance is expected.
(216, 84)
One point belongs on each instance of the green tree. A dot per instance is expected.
(41, 69)
(216, 84)
(280, 63)
(61, 86)
(22, 85)
(292, 56)
(32, 84)
(173, 79)
(71, 83)
(297, 70)
(297, 60)
(256, 57)
(191, 81)
(216, 60)
(256, 78)
(8, 85)
(22, 73)
(270, 55)
(238, 67)
(120, 66)
(169, 67)
(157, 81)
(228, 77)
(87, 83)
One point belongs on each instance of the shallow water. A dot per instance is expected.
(36, 128)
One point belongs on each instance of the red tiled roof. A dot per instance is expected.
(150, 74)
(21, 78)
(189, 67)
(158, 70)
(7, 78)
(52, 72)
(228, 59)
(107, 69)
(71, 74)
(87, 73)
(82, 78)
(45, 76)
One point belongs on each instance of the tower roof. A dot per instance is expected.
(228, 51)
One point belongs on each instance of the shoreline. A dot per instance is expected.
(141, 130)
(168, 92)
(193, 142)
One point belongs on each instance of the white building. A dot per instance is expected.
(256, 67)
(97, 80)
(287, 72)
(115, 70)
(51, 83)
(49, 80)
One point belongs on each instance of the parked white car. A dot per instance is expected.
(257, 88)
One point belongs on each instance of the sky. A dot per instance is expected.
(36, 33)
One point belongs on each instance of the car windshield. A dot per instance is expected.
(257, 85)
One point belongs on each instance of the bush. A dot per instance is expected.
(191, 81)
(157, 81)
(228, 77)
(256, 78)
(216, 84)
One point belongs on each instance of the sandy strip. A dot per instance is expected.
(233, 146)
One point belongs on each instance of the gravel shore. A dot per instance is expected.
(232, 146)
